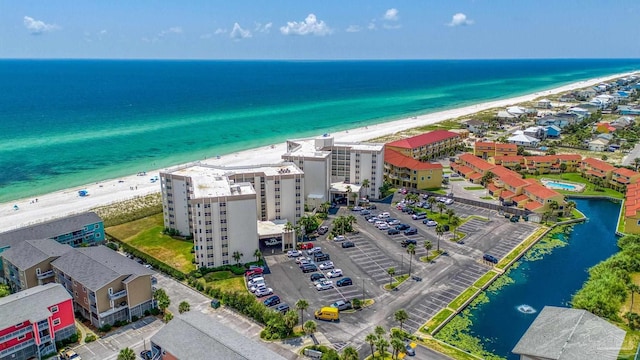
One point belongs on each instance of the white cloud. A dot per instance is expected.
(391, 14)
(310, 25)
(266, 28)
(239, 33)
(220, 31)
(372, 25)
(353, 28)
(37, 27)
(102, 32)
(171, 30)
(460, 19)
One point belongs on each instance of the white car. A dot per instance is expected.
(255, 280)
(393, 222)
(257, 287)
(324, 285)
(448, 201)
(383, 226)
(431, 223)
(326, 265)
(264, 292)
(339, 238)
(314, 250)
(301, 259)
(294, 253)
(334, 273)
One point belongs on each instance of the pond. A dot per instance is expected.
(548, 280)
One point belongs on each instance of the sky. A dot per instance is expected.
(322, 29)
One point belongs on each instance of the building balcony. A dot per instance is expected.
(117, 295)
(45, 275)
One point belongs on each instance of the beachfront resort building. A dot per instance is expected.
(539, 164)
(75, 230)
(196, 336)
(486, 150)
(404, 171)
(34, 320)
(105, 286)
(428, 146)
(335, 169)
(233, 210)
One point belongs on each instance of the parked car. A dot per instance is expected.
(326, 265)
(426, 205)
(384, 215)
(250, 272)
(339, 238)
(323, 229)
(402, 227)
(430, 222)
(317, 276)
(256, 280)
(334, 273)
(419, 216)
(407, 242)
(393, 222)
(304, 262)
(383, 226)
(257, 287)
(365, 212)
(411, 231)
(283, 308)
(348, 244)
(272, 300)
(324, 285)
(342, 305)
(70, 355)
(318, 257)
(490, 258)
(309, 268)
(448, 201)
(314, 250)
(301, 259)
(393, 231)
(410, 348)
(264, 292)
(357, 208)
(344, 282)
(305, 246)
(372, 207)
(145, 355)
(294, 253)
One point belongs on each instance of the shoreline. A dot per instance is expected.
(67, 201)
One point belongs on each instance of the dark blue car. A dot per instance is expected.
(411, 231)
(272, 300)
(344, 282)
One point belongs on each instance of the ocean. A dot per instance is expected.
(67, 123)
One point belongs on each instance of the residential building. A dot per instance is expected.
(327, 163)
(405, 171)
(75, 230)
(604, 127)
(477, 127)
(598, 144)
(538, 132)
(427, 146)
(542, 199)
(196, 336)
(105, 286)
(553, 131)
(542, 164)
(623, 177)
(543, 104)
(592, 169)
(486, 150)
(33, 320)
(632, 209)
(521, 139)
(566, 334)
(28, 263)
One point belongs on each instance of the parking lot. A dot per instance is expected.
(376, 251)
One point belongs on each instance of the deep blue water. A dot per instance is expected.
(549, 281)
(71, 122)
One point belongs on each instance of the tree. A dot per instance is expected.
(604, 157)
(636, 163)
(324, 207)
(379, 330)
(309, 223)
(309, 327)
(348, 191)
(237, 255)
(184, 307)
(302, 305)
(257, 254)
(397, 345)
(350, 353)
(441, 207)
(371, 339)
(366, 185)
(127, 354)
(382, 344)
(4, 290)
(450, 213)
(411, 250)
(290, 320)
(455, 222)
(520, 150)
(568, 208)
(432, 201)
(439, 232)
(168, 316)
(563, 167)
(162, 299)
(401, 316)
(288, 227)
(634, 289)
(391, 271)
(428, 246)
(488, 176)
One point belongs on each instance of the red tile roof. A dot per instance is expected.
(513, 181)
(489, 145)
(476, 162)
(542, 158)
(596, 173)
(541, 191)
(598, 164)
(512, 147)
(423, 139)
(492, 188)
(509, 158)
(567, 157)
(508, 194)
(632, 200)
(532, 205)
(465, 170)
(520, 198)
(501, 171)
(399, 160)
(625, 172)
(622, 180)
(475, 176)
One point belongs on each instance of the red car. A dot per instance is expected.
(255, 271)
(305, 246)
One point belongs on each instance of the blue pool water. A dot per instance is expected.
(561, 186)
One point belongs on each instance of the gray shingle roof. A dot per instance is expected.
(48, 229)
(570, 334)
(31, 304)
(196, 336)
(28, 253)
(97, 266)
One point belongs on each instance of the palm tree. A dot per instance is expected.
(290, 320)
(455, 222)
(184, 307)
(411, 250)
(382, 344)
(366, 185)
(441, 207)
(379, 330)
(432, 201)
(348, 191)
(162, 299)
(450, 213)
(302, 305)
(237, 255)
(350, 219)
(391, 271)
(569, 207)
(324, 207)
(636, 163)
(397, 345)
(354, 196)
(126, 354)
(257, 254)
(371, 339)
(350, 353)
(401, 316)
(428, 246)
(288, 226)
(439, 232)
(309, 327)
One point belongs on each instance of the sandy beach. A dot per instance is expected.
(67, 202)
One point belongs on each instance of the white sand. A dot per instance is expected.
(67, 202)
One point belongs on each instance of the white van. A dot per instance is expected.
(257, 280)
(384, 215)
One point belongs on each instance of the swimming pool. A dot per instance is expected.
(559, 185)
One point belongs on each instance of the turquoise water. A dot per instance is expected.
(71, 122)
(551, 280)
(559, 185)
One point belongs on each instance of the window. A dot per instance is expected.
(54, 309)
(22, 337)
(56, 322)
(19, 325)
(97, 226)
(110, 291)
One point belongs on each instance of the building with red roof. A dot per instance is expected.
(486, 150)
(544, 164)
(632, 209)
(623, 177)
(405, 171)
(427, 146)
(596, 169)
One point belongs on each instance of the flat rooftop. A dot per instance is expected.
(213, 182)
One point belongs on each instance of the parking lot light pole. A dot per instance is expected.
(401, 263)
(363, 291)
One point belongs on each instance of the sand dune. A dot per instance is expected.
(67, 202)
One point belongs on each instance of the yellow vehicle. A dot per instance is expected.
(327, 313)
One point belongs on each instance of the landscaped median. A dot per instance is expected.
(522, 248)
(397, 281)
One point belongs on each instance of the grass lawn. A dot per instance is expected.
(487, 198)
(589, 189)
(485, 279)
(436, 320)
(620, 227)
(398, 280)
(456, 179)
(146, 235)
(432, 256)
(474, 188)
(231, 284)
(462, 298)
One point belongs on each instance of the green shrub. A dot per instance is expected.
(105, 328)
(90, 338)
(147, 313)
(155, 311)
(134, 318)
